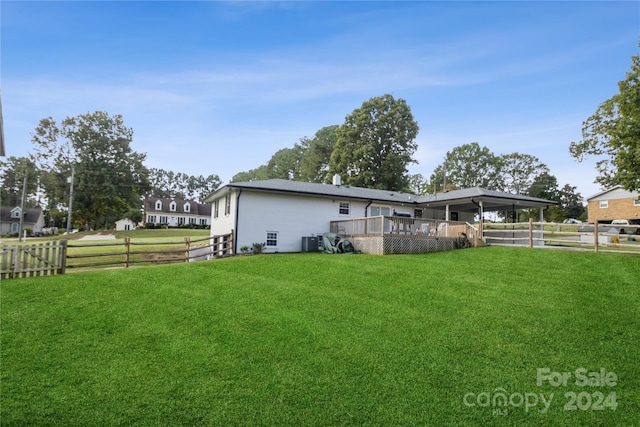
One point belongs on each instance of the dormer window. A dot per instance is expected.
(172, 207)
(187, 207)
(15, 213)
(159, 205)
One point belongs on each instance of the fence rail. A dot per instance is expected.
(597, 237)
(59, 256)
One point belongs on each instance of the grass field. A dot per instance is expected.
(316, 339)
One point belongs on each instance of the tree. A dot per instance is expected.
(316, 155)
(170, 185)
(571, 202)
(12, 173)
(469, 165)
(519, 172)
(375, 145)
(110, 177)
(613, 134)
(418, 184)
(257, 174)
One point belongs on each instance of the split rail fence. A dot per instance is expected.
(596, 237)
(57, 257)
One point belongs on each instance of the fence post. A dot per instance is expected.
(530, 232)
(127, 251)
(63, 256)
(595, 236)
(231, 248)
(187, 245)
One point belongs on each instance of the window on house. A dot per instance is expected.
(158, 205)
(203, 221)
(15, 213)
(272, 239)
(151, 218)
(15, 228)
(172, 206)
(216, 208)
(380, 210)
(636, 202)
(344, 208)
(181, 220)
(164, 220)
(227, 204)
(604, 204)
(187, 206)
(417, 213)
(192, 220)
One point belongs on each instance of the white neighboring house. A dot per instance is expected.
(280, 212)
(125, 225)
(176, 212)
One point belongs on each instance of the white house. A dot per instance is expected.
(175, 212)
(280, 212)
(125, 224)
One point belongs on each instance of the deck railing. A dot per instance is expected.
(398, 225)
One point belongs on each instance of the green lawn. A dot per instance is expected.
(316, 339)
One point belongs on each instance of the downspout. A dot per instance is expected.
(235, 225)
(366, 208)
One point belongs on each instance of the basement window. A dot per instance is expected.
(272, 239)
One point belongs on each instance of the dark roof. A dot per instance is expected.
(464, 200)
(31, 214)
(195, 208)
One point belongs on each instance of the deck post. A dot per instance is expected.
(595, 236)
(530, 232)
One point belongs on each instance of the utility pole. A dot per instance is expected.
(24, 190)
(70, 200)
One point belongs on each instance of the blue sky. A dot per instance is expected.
(218, 87)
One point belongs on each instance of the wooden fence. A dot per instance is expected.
(42, 259)
(596, 237)
(56, 257)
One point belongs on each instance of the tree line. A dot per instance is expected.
(110, 178)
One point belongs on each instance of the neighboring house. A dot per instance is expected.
(280, 212)
(10, 220)
(614, 203)
(175, 212)
(125, 225)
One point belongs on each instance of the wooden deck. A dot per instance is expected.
(385, 235)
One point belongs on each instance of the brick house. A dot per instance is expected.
(614, 203)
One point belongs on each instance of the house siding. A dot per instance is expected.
(620, 206)
(292, 217)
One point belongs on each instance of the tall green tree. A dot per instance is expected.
(110, 178)
(612, 134)
(167, 184)
(375, 145)
(12, 173)
(316, 155)
(469, 165)
(519, 171)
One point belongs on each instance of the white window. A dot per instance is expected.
(15, 213)
(151, 218)
(380, 210)
(187, 207)
(192, 220)
(181, 220)
(344, 208)
(172, 207)
(604, 204)
(216, 208)
(636, 202)
(15, 227)
(203, 221)
(158, 205)
(164, 220)
(272, 239)
(227, 204)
